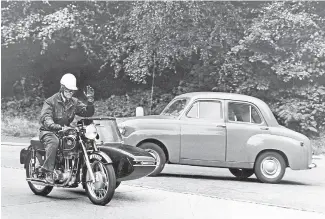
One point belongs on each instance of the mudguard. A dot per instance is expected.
(24, 154)
(129, 162)
(295, 153)
(100, 156)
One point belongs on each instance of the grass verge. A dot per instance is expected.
(19, 127)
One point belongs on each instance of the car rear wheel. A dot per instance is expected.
(270, 167)
(241, 173)
(157, 153)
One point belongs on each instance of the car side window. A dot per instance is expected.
(206, 109)
(242, 112)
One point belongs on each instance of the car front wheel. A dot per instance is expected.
(157, 153)
(270, 167)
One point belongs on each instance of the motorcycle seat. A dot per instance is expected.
(37, 144)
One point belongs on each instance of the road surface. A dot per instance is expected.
(180, 192)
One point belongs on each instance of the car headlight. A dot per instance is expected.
(91, 132)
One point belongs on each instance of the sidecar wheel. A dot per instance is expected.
(157, 153)
(36, 189)
(101, 192)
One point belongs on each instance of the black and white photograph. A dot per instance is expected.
(162, 109)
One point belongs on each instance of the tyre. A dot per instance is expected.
(101, 192)
(159, 155)
(117, 184)
(270, 167)
(241, 173)
(37, 189)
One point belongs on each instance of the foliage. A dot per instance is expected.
(284, 45)
(302, 110)
(318, 144)
(271, 50)
(281, 60)
(125, 105)
(117, 33)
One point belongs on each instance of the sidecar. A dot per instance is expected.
(129, 162)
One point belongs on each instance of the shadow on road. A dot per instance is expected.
(252, 180)
(120, 196)
(127, 197)
(78, 192)
(61, 198)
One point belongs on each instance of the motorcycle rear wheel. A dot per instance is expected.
(105, 175)
(36, 189)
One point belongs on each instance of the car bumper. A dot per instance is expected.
(312, 165)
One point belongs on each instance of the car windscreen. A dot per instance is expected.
(176, 107)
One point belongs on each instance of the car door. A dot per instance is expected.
(203, 132)
(243, 121)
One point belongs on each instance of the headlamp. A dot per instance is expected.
(91, 132)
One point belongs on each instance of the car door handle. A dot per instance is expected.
(221, 126)
(264, 128)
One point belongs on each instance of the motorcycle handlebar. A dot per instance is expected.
(64, 129)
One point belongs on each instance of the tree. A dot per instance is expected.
(281, 58)
(135, 38)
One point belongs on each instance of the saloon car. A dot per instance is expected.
(223, 130)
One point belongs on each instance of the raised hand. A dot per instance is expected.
(89, 93)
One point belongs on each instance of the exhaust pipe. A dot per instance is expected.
(37, 181)
(41, 182)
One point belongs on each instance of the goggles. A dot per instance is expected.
(69, 91)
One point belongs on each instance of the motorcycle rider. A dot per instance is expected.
(58, 111)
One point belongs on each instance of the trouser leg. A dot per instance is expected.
(51, 144)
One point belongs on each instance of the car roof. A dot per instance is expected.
(219, 95)
(233, 96)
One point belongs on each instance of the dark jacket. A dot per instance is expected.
(56, 111)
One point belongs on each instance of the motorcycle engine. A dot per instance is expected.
(69, 146)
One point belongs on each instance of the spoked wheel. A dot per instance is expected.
(102, 190)
(37, 189)
(241, 173)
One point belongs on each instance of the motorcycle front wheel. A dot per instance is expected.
(102, 190)
(37, 189)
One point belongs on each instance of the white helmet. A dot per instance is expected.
(69, 81)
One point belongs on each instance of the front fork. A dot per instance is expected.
(87, 162)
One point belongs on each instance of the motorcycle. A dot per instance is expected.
(79, 161)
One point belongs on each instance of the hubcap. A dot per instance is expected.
(155, 155)
(271, 167)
